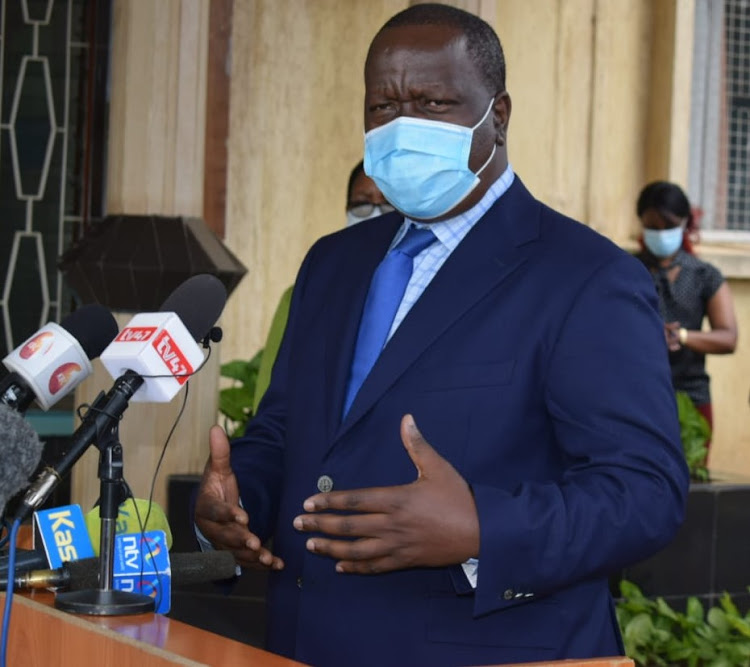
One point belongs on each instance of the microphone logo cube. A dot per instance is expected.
(63, 533)
(158, 347)
(51, 362)
(141, 565)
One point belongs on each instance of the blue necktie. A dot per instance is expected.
(386, 291)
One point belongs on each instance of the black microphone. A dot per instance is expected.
(198, 301)
(76, 575)
(211, 295)
(26, 560)
(20, 452)
(52, 362)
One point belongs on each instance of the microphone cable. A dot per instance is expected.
(13, 535)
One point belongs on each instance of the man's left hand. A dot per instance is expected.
(430, 522)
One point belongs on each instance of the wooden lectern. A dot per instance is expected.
(40, 636)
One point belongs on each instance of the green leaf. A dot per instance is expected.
(694, 609)
(694, 433)
(639, 630)
(235, 402)
(665, 610)
(244, 371)
(717, 618)
(629, 590)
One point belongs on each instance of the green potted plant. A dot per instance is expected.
(656, 634)
(236, 400)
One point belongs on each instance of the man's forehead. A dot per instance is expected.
(419, 37)
(430, 54)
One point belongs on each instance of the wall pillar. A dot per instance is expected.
(156, 166)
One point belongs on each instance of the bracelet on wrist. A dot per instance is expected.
(682, 335)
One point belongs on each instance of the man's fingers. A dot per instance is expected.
(219, 511)
(376, 499)
(219, 446)
(349, 525)
(365, 549)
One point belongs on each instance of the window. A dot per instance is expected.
(719, 180)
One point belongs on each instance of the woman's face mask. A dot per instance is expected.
(662, 234)
(360, 212)
(663, 242)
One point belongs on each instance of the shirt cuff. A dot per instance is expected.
(471, 570)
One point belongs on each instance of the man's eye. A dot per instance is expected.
(382, 106)
(436, 104)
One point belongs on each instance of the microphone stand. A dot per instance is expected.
(106, 600)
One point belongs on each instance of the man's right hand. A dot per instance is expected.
(218, 514)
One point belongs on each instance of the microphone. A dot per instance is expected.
(76, 575)
(20, 453)
(163, 346)
(52, 362)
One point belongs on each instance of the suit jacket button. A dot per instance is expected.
(508, 595)
(325, 484)
(299, 582)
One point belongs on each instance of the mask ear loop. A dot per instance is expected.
(486, 113)
(494, 146)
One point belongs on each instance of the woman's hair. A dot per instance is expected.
(669, 199)
(359, 168)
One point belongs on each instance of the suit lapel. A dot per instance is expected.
(345, 309)
(491, 251)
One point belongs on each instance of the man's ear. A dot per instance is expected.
(501, 110)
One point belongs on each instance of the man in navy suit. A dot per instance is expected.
(516, 440)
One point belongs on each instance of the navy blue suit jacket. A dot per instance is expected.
(535, 362)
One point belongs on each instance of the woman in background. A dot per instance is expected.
(689, 290)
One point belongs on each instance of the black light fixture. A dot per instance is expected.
(133, 262)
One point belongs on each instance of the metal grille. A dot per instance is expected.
(737, 86)
(45, 132)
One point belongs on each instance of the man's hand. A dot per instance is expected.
(430, 522)
(218, 514)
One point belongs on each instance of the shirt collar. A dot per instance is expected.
(451, 232)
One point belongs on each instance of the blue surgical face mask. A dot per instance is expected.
(422, 166)
(663, 242)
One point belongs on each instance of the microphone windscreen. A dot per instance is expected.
(197, 567)
(93, 326)
(198, 302)
(84, 574)
(20, 452)
(129, 515)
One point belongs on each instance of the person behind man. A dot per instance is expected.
(690, 290)
(363, 201)
(463, 497)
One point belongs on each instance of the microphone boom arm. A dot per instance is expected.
(100, 421)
